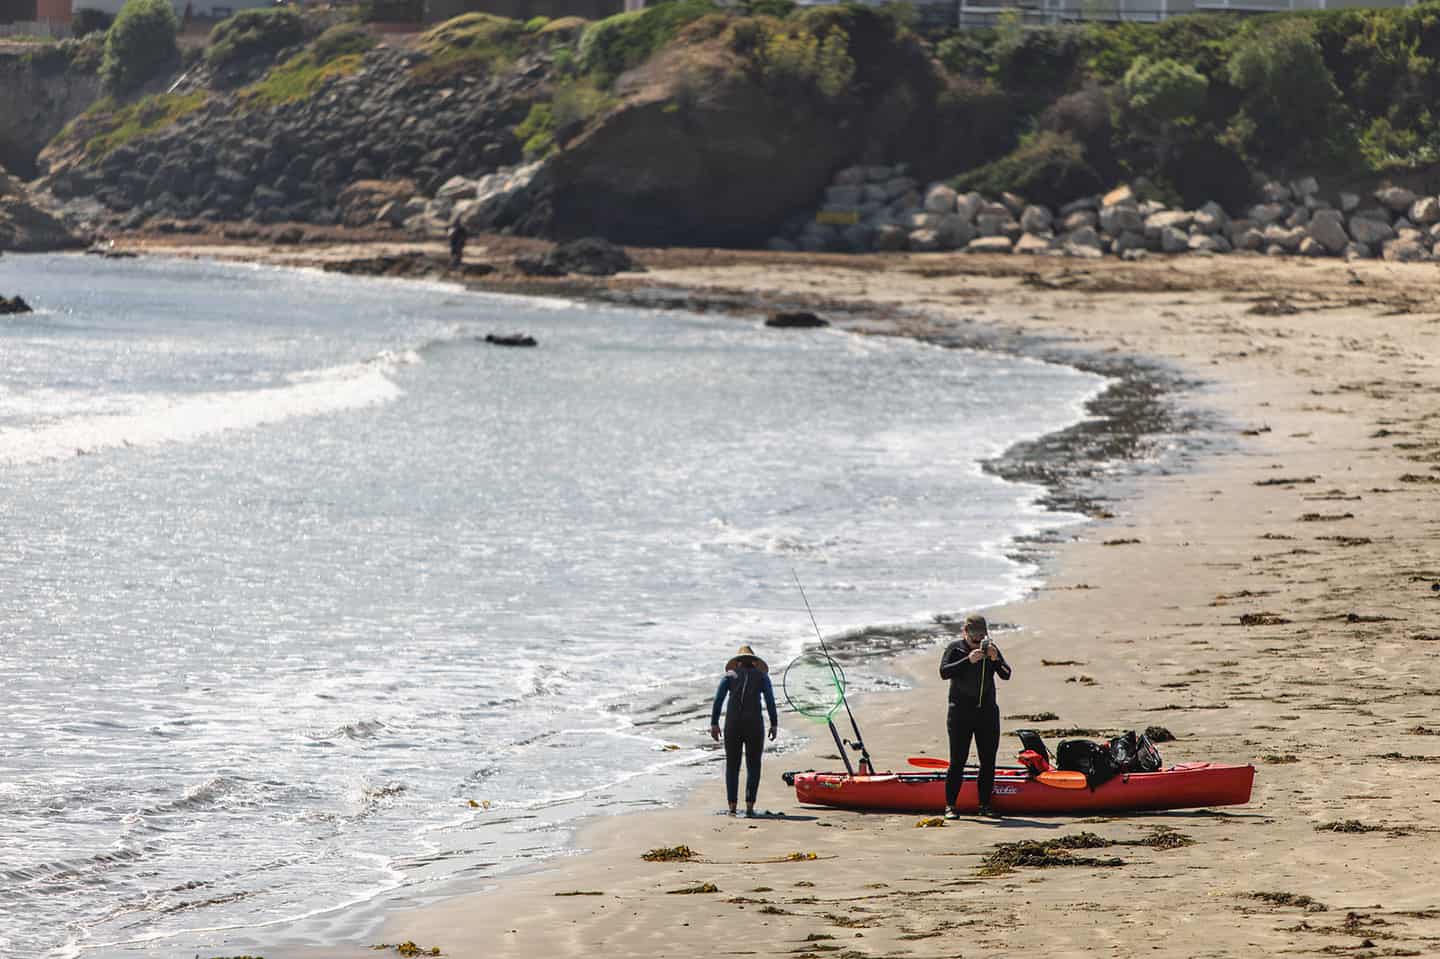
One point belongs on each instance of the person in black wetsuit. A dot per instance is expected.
(457, 236)
(972, 664)
(746, 682)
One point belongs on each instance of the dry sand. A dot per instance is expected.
(1321, 507)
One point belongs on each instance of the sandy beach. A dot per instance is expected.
(1309, 506)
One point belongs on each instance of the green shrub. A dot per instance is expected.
(1288, 90)
(146, 116)
(1045, 168)
(471, 41)
(536, 24)
(626, 40)
(298, 78)
(140, 45)
(343, 40)
(254, 33)
(788, 57)
(537, 131)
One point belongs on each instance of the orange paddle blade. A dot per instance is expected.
(1063, 779)
(928, 762)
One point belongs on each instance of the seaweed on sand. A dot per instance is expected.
(670, 854)
(1042, 854)
(1288, 899)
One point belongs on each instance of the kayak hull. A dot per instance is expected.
(1184, 786)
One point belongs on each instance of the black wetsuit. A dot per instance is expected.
(971, 713)
(744, 726)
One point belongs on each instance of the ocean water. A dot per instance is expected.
(310, 600)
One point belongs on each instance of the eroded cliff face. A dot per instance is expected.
(43, 90)
(25, 227)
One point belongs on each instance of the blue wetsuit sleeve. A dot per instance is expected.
(719, 700)
(769, 690)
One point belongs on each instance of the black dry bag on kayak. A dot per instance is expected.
(1083, 756)
(1123, 750)
(1147, 757)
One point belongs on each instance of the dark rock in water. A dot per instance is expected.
(13, 305)
(795, 319)
(511, 339)
(592, 256)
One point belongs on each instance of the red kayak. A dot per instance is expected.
(1185, 786)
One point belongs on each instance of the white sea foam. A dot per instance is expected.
(76, 423)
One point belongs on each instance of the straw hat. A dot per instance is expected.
(747, 653)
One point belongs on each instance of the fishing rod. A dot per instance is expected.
(867, 767)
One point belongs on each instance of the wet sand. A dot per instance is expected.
(1275, 602)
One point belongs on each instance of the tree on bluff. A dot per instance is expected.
(1288, 91)
(140, 45)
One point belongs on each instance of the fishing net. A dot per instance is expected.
(814, 686)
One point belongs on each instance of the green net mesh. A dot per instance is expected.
(814, 686)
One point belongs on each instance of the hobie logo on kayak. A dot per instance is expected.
(1006, 790)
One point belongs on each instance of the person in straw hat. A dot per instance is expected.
(747, 680)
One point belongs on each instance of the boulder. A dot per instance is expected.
(891, 238)
(1129, 240)
(1312, 247)
(1348, 202)
(1076, 219)
(1304, 187)
(1036, 219)
(1371, 232)
(1286, 238)
(1082, 251)
(1085, 203)
(1249, 238)
(1264, 214)
(1172, 240)
(1298, 217)
(924, 240)
(843, 197)
(968, 205)
(1358, 251)
(940, 199)
(917, 220)
(1327, 227)
(1115, 219)
(1156, 223)
(1083, 236)
(1032, 244)
(989, 244)
(1120, 196)
(850, 176)
(1395, 198)
(1013, 202)
(990, 224)
(1210, 218)
(1208, 243)
(1424, 211)
(361, 202)
(1273, 191)
(955, 231)
(1404, 250)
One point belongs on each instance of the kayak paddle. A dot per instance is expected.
(1059, 778)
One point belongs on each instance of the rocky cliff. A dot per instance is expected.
(25, 227)
(717, 138)
(44, 89)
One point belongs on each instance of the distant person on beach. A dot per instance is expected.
(972, 664)
(747, 679)
(458, 235)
